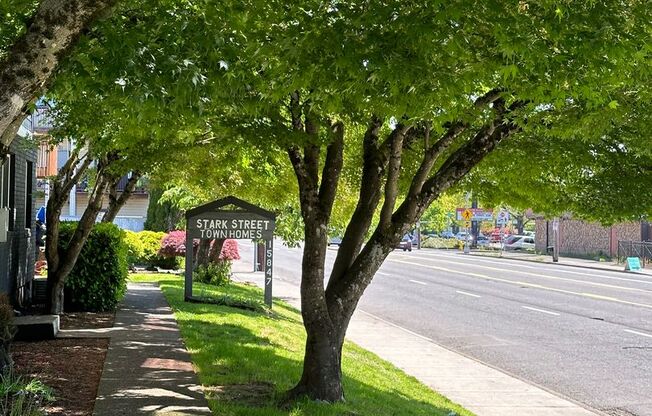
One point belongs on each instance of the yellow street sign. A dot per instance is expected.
(467, 214)
(468, 224)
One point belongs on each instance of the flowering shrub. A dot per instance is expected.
(230, 251)
(174, 245)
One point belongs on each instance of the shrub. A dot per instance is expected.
(218, 273)
(98, 280)
(174, 244)
(20, 396)
(230, 251)
(151, 241)
(135, 250)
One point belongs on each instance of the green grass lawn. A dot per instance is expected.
(242, 356)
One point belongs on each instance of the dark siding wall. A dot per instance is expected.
(18, 254)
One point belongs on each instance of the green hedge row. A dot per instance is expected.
(98, 280)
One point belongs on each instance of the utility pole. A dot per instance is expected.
(474, 225)
(555, 237)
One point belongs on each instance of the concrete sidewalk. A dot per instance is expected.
(147, 369)
(476, 386)
(563, 261)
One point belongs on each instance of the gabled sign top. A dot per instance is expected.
(230, 200)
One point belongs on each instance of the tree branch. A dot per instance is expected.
(33, 58)
(393, 173)
(332, 168)
(117, 202)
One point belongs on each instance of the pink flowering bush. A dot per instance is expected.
(230, 250)
(174, 245)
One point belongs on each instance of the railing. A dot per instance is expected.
(82, 186)
(640, 249)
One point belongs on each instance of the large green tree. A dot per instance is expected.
(396, 100)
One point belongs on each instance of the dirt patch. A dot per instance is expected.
(86, 320)
(72, 367)
(253, 395)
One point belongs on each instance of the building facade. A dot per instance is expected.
(587, 239)
(17, 220)
(132, 215)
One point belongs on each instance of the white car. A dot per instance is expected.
(519, 242)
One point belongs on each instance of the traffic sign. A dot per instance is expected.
(477, 214)
(503, 217)
(467, 215)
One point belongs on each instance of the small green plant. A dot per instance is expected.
(217, 273)
(22, 397)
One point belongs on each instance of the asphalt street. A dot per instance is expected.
(581, 333)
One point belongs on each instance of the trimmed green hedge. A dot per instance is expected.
(98, 280)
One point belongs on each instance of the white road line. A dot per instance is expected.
(540, 310)
(638, 333)
(418, 282)
(545, 276)
(383, 274)
(461, 292)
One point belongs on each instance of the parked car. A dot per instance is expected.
(335, 241)
(406, 243)
(519, 242)
(462, 236)
(482, 240)
(447, 234)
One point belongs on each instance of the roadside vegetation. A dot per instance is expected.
(246, 360)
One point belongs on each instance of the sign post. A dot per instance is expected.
(242, 221)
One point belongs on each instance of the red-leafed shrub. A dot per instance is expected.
(230, 250)
(174, 245)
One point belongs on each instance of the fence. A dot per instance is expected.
(640, 249)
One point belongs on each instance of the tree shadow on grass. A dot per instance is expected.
(244, 373)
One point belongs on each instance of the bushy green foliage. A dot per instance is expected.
(217, 273)
(135, 250)
(161, 215)
(98, 280)
(22, 397)
(436, 242)
(151, 243)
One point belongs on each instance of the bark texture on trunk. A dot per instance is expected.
(327, 311)
(31, 61)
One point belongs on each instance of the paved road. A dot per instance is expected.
(582, 333)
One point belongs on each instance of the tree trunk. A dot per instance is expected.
(216, 250)
(322, 375)
(55, 285)
(34, 57)
(202, 258)
(322, 369)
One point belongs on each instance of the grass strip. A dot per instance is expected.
(246, 359)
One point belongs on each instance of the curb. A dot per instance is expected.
(564, 264)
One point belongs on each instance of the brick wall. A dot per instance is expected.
(586, 239)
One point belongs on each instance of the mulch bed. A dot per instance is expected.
(72, 367)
